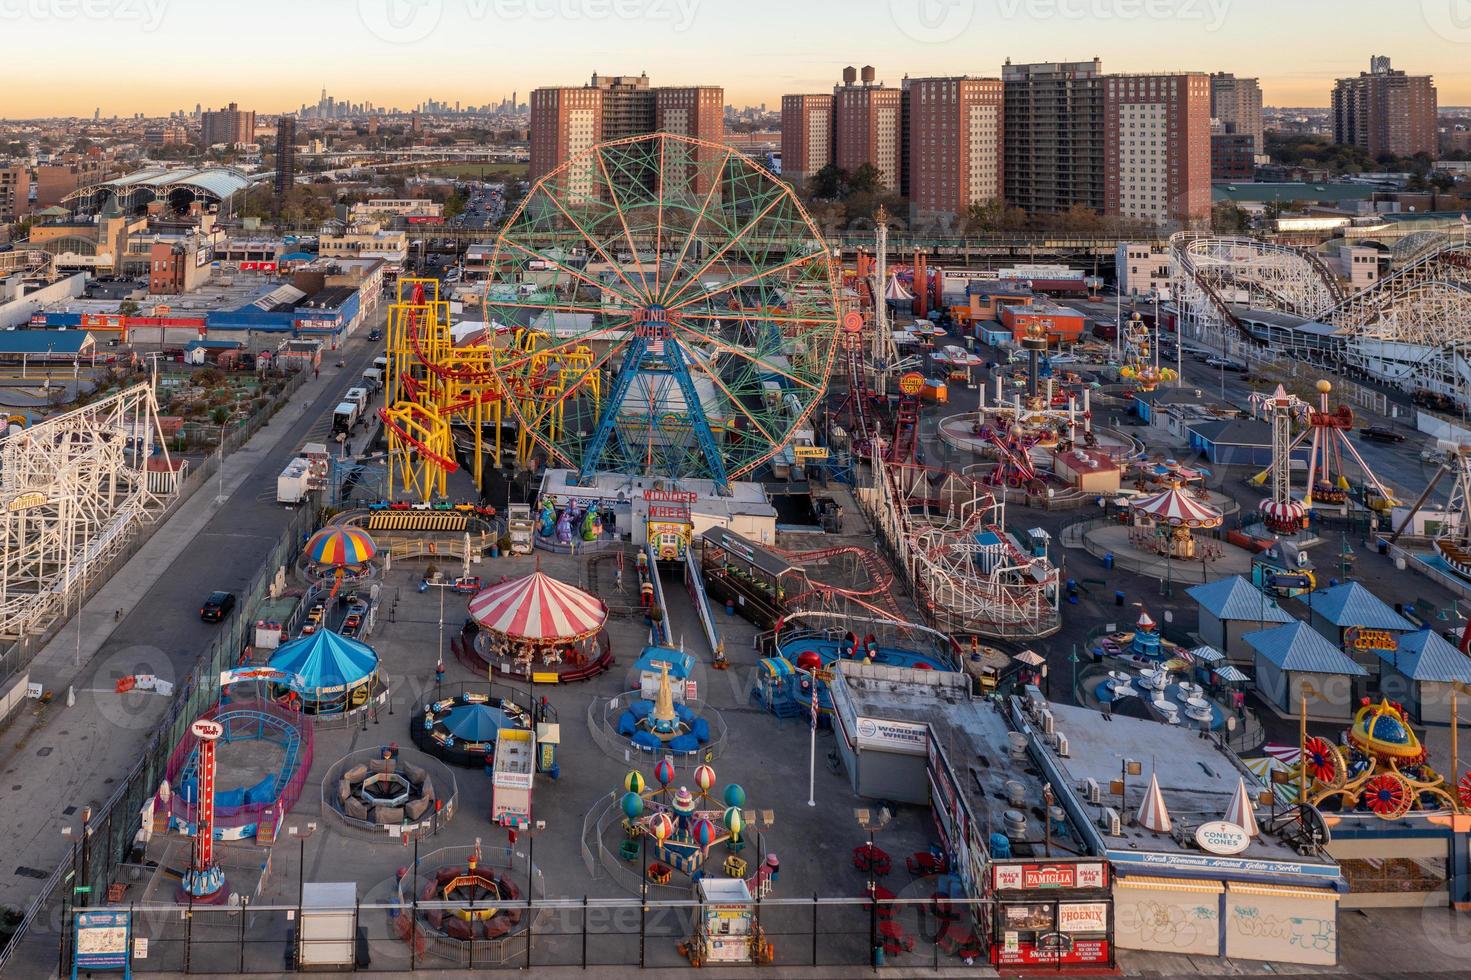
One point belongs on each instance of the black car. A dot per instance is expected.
(1381, 433)
(375, 334)
(217, 606)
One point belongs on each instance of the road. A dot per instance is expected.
(59, 759)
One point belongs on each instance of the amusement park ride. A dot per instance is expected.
(1326, 434)
(658, 306)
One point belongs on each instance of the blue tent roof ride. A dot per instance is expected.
(325, 662)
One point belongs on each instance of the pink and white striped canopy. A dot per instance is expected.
(1176, 508)
(538, 609)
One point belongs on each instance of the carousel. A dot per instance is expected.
(537, 625)
(1165, 524)
(326, 674)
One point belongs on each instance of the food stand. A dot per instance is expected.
(1051, 913)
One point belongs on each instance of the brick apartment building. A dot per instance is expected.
(1157, 148)
(1386, 112)
(565, 122)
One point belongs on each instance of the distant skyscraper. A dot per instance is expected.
(806, 136)
(1386, 112)
(1157, 147)
(1053, 121)
(867, 126)
(285, 155)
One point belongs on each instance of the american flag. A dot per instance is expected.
(655, 344)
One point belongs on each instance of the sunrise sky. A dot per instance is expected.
(68, 57)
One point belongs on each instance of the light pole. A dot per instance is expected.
(531, 833)
(220, 497)
(812, 742)
(300, 837)
(872, 823)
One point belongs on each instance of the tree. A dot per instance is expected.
(983, 217)
(1229, 219)
(128, 307)
(829, 183)
(867, 179)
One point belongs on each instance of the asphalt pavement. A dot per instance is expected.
(57, 758)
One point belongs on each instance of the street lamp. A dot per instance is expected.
(300, 836)
(872, 822)
(531, 833)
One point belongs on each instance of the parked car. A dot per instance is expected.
(1226, 364)
(1381, 433)
(217, 606)
(375, 334)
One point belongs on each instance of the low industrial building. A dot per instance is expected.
(1422, 672)
(1356, 621)
(1062, 324)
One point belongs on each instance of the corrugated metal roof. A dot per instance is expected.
(1297, 646)
(1426, 656)
(43, 341)
(1236, 598)
(1350, 604)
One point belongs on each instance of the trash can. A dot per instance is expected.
(1118, 598)
(730, 607)
(1383, 547)
(1108, 560)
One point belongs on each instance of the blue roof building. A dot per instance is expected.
(1296, 665)
(1229, 609)
(1420, 674)
(16, 345)
(1340, 612)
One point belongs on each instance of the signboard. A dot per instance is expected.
(894, 736)
(809, 452)
(1082, 917)
(1222, 837)
(853, 321)
(101, 941)
(25, 501)
(1359, 638)
(911, 383)
(1031, 877)
(207, 729)
(670, 496)
(257, 266)
(1055, 950)
(104, 321)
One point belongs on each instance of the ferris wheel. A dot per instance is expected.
(674, 311)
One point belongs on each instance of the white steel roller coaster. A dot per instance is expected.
(1411, 329)
(74, 489)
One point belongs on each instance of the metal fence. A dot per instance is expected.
(108, 840)
(913, 934)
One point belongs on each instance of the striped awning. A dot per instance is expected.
(1230, 673)
(539, 609)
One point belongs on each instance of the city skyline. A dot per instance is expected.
(686, 42)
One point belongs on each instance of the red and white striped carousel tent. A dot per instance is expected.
(538, 609)
(1178, 509)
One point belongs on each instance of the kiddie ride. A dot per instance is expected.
(584, 524)
(785, 684)
(685, 826)
(1382, 769)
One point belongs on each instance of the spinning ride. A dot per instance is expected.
(1382, 769)
(1327, 482)
(1141, 358)
(701, 288)
(342, 549)
(538, 620)
(684, 824)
